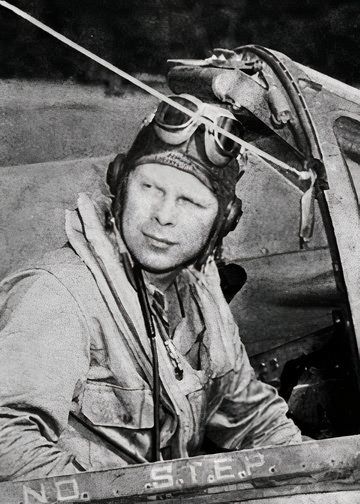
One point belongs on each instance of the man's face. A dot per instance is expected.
(167, 217)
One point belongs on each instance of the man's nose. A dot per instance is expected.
(165, 211)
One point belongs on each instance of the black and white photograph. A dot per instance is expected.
(180, 251)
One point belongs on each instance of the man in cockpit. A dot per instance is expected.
(120, 348)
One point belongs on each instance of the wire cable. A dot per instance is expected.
(150, 330)
(255, 150)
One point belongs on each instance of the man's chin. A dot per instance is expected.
(158, 268)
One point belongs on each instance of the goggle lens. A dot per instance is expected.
(168, 116)
(232, 126)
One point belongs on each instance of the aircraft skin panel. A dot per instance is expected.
(341, 200)
(332, 85)
(254, 475)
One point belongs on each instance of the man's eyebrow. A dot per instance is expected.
(144, 176)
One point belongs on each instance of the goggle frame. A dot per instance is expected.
(176, 134)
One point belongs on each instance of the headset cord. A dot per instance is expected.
(164, 330)
(150, 329)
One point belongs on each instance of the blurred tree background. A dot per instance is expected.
(139, 35)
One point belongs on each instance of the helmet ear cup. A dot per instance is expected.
(232, 218)
(115, 172)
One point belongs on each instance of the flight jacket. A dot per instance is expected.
(75, 365)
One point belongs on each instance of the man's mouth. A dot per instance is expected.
(158, 241)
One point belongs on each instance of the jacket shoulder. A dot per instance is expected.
(63, 268)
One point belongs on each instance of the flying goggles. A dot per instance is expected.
(174, 127)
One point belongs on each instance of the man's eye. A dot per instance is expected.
(184, 200)
(146, 185)
(188, 201)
